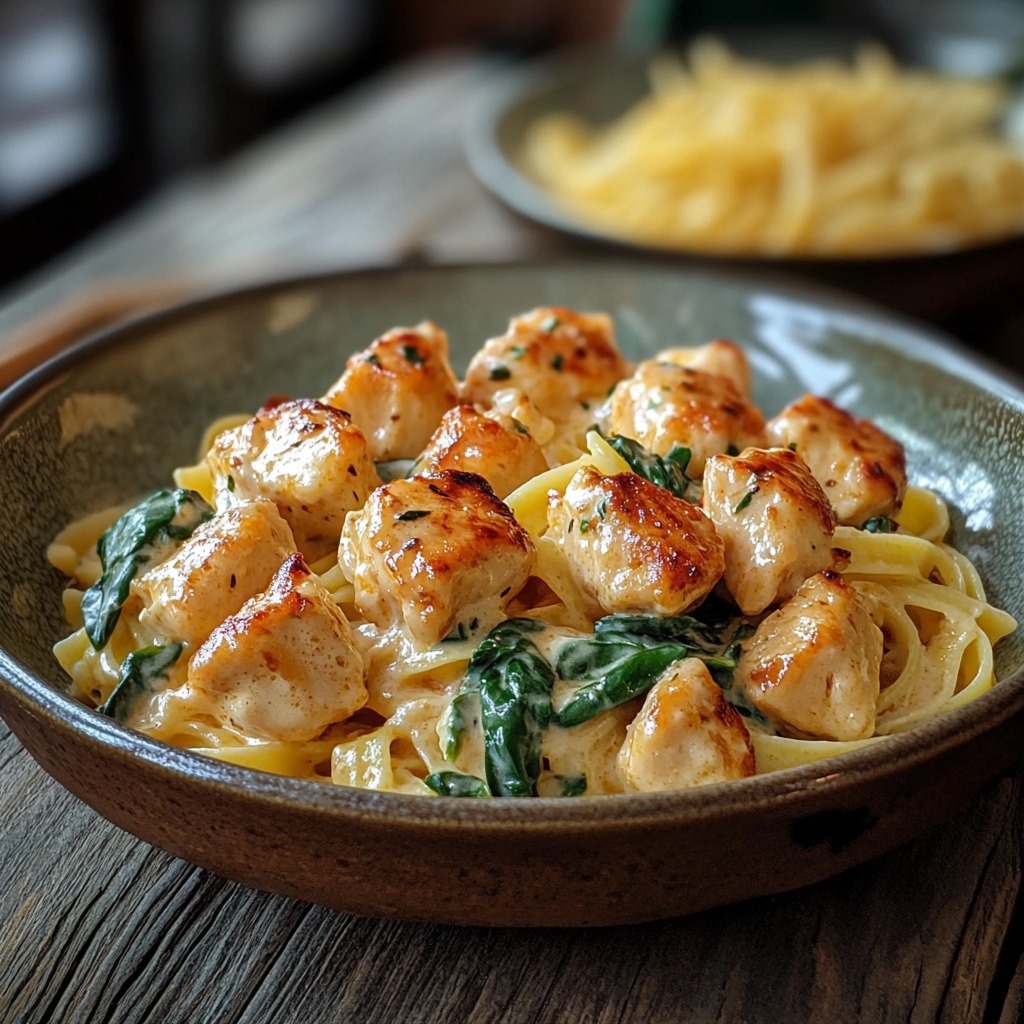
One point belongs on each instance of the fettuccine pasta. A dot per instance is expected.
(562, 575)
(726, 155)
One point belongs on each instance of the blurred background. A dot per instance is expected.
(104, 103)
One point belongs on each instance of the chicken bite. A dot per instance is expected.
(633, 546)
(721, 357)
(285, 667)
(492, 445)
(812, 667)
(307, 458)
(558, 357)
(663, 405)
(861, 468)
(436, 554)
(397, 390)
(225, 562)
(686, 734)
(774, 520)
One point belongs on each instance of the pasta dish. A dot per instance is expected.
(563, 575)
(819, 159)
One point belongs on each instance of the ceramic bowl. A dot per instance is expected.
(600, 86)
(109, 420)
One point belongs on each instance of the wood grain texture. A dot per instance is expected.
(95, 926)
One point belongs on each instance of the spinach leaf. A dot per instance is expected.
(514, 682)
(573, 785)
(457, 784)
(628, 679)
(463, 713)
(139, 671)
(879, 524)
(162, 519)
(628, 652)
(667, 471)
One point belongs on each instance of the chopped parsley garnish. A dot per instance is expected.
(557, 362)
(745, 500)
(521, 427)
(231, 482)
(412, 514)
(584, 524)
(413, 355)
(373, 359)
(459, 633)
(550, 324)
(517, 351)
(602, 508)
(732, 450)
(500, 373)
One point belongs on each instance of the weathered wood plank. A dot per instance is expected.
(97, 926)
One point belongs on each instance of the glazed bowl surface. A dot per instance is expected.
(109, 420)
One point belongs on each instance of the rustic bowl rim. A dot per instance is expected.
(783, 790)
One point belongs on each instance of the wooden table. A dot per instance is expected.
(97, 926)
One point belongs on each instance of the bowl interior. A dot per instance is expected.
(109, 421)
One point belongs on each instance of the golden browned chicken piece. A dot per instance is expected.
(438, 554)
(724, 358)
(633, 546)
(284, 667)
(774, 519)
(307, 458)
(686, 734)
(861, 468)
(558, 357)
(663, 405)
(812, 667)
(225, 562)
(398, 389)
(492, 445)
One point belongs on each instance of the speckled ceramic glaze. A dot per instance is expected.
(109, 420)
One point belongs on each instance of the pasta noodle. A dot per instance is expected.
(663, 598)
(731, 156)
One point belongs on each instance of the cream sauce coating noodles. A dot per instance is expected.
(632, 583)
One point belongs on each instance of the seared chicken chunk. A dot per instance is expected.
(633, 546)
(662, 406)
(225, 562)
(686, 734)
(285, 667)
(558, 357)
(435, 553)
(861, 468)
(813, 666)
(492, 445)
(398, 389)
(775, 521)
(724, 358)
(307, 458)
